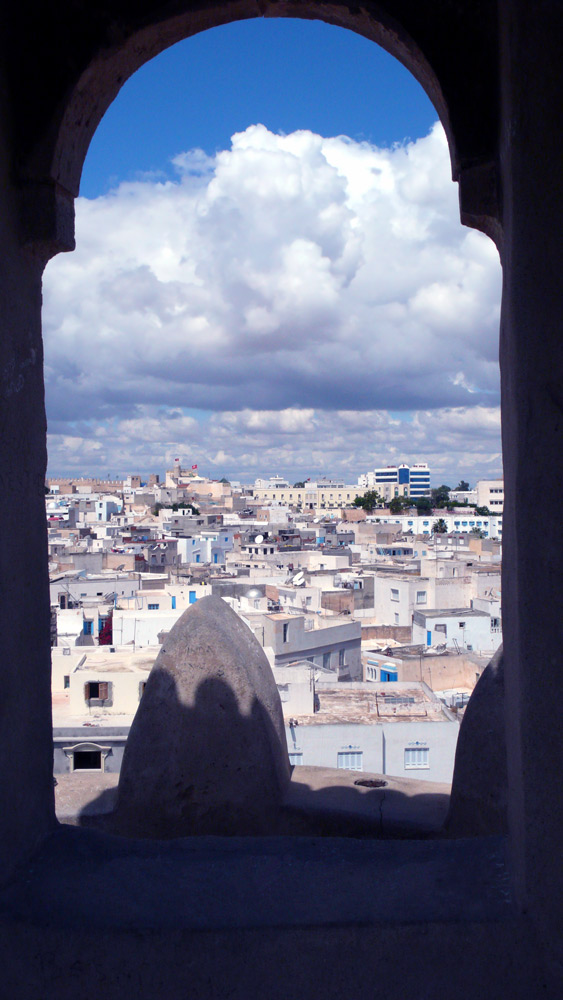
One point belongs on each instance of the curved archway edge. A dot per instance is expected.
(438, 48)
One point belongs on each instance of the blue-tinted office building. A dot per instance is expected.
(413, 480)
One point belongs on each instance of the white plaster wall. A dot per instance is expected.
(141, 628)
(125, 690)
(382, 745)
(477, 632)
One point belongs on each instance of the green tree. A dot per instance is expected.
(482, 511)
(227, 481)
(439, 527)
(396, 505)
(299, 486)
(422, 504)
(462, 486)
(369, 500)
(440, 495)
(188, 506)
(478, 533)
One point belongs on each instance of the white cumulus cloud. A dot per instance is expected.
(297, 289)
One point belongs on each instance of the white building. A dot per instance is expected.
(490, 493)
(319, 496)
(463, 628)
(399, 729)
(466, 523)
(332, 643)
(401, 480)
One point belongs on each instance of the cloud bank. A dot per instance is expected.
(315, 301)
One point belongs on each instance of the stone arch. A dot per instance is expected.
(435, 47)
(499, 67)
(49, 169)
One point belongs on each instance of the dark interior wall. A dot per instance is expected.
(27, 811)
(531, 351)
(63, 62)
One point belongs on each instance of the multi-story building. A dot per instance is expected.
(490, 493)
(398, 480)
(460, 523)
(323, 494)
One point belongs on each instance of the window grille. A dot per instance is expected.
(350, 760)
(417, 758)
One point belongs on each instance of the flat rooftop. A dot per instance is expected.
(100, 659)
(452, 613)
(366, 703)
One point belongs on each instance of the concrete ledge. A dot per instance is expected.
(90, 879)
(404, 807)
(96, 916)
(320, 801)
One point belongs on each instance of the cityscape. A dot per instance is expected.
(387, 589)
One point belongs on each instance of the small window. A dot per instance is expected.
(66, 681)
(417, 758)
(286, 631)
(396, 618)
(88, 628)
(421, 597)
(394, 594)
(326, 661)
(340, 657)
(87, 760)
(153, 607)
(96, 691)
(350, 760)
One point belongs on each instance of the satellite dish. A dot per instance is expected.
(258, 539)
(316, 520)
(299, 579)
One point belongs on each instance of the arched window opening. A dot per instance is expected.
(279, 295)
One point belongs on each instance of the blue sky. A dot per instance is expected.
(286, 74)
(270, 274)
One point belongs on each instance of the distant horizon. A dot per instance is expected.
(144, 476)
